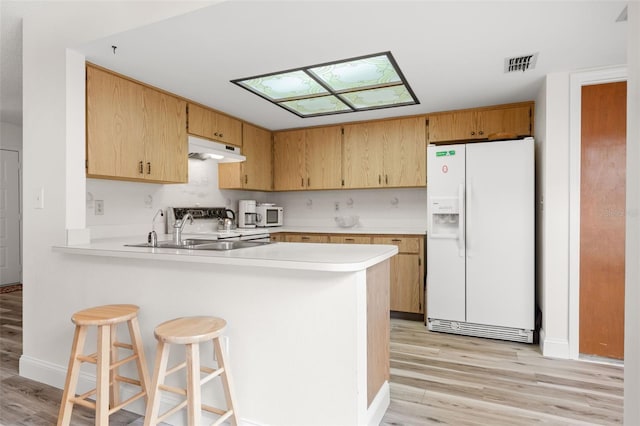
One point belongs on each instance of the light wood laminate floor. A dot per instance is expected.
(435, 379)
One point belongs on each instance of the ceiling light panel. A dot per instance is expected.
(356, 84)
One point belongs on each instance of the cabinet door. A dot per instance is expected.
(277, 237)
(405, 160)
(323, 150)
(213, 125)
(115, 145)
(515, 120)
(350, 239)
(289, 160)
(165, 119)
(256, 172)
(363, 156)
(405, 283)
(452, 126)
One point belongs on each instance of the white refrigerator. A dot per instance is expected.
(480, 239)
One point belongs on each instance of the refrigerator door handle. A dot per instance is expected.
(461, 206)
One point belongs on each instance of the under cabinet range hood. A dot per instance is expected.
(203, 149)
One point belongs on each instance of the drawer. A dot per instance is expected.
(350, 239)
(405, 244)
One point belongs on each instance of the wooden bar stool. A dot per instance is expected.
(190, 331)
(108, 379)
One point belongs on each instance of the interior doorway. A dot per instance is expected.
(10, 261)
(602, 219)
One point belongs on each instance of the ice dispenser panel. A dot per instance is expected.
(445, 216)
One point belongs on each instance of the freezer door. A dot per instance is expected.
(445, 232)
(500, 233)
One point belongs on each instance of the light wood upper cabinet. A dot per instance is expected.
(213, 125)
(289, 164)
(479, 124)
(307, 159)
(133, 131)
(389, 153)
(256, 173)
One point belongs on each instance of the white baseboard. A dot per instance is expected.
(379, 405)
(554, 348)
(55, 375)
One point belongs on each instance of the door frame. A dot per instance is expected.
(576, 81)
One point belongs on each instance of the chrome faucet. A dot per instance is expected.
(178, 226)
(152, 238)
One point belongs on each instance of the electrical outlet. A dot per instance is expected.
(99, 207)
(337, 206)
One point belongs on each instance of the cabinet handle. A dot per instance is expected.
(148, 168)
(304, 238)
(386, 179)
(379, 179)
(481, 132)
(141, 167)
(308, 182)
(302, 182)
(473, 133)
(349, 239)
(246, 179)
(395, 240)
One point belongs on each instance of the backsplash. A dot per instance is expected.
(129, 207)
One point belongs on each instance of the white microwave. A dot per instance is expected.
(269, 216)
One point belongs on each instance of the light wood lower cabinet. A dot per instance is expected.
(407, 267)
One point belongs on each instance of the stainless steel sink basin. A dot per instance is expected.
(202, 244)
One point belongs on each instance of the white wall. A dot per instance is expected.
(10, 136)
(554, 279)
(50, 131)
(391, 208)
(632, 288)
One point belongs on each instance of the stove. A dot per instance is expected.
(205, 222)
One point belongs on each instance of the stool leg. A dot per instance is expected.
(102, 375)
(73, 370)
(194, 398)
(114, 385)
(153, 406)
(227, 384)
(138, 349)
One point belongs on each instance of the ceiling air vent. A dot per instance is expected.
(520, 63)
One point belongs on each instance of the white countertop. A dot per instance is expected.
(301, 256)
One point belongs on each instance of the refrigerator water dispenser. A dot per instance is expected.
(445, 217)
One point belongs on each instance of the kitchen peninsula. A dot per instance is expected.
(308, 324)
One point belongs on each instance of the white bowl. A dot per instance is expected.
(347, 221)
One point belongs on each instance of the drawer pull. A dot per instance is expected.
(395, 240)
(141, 167)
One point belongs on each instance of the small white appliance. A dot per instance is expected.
(480, 239)
(247, 214)
(269, 215)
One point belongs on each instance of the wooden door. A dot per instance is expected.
(405, 162)
(602, 219)
(165, 137)
(363, 156)
(228, 130)
(201, 121)
(115, 132)
(323, 152)
(289, 161)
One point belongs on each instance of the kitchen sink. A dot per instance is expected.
(202, 244)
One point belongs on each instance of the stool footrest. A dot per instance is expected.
(128, 380)
(82, 400)
(179, 391)
(127, 402)
(176, 368)
(123, 361)
(92, 358)
(224, 416)
(123, 345)
(213, 373)
(172, 411)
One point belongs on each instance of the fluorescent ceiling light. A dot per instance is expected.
(356, 84)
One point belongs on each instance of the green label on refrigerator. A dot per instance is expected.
(445, 153)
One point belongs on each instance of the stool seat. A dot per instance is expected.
(183, 331)
(105, 315)
(107, 360)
